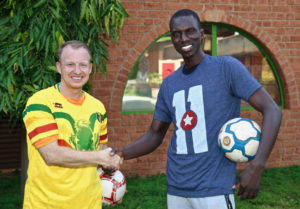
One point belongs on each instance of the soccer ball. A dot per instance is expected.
(239, 139)
(113, 187)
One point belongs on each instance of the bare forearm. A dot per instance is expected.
(250, 177)
(148, 142)
(270, 127)
(67, 157)
(144, 145)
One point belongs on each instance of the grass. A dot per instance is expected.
(280, 189)
(10, 193)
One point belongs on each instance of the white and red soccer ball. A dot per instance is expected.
(113, 187)
(239, 139)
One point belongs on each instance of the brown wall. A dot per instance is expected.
(275, 23)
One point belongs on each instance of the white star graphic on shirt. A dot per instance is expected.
(188, 120)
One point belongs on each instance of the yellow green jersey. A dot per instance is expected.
(79, 124)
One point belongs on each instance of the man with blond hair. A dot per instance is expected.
(65, 129)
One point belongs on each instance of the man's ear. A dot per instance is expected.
(202, 33)
(91, 68)
(58, 67)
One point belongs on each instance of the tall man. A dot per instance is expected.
(199, 97)
(65, 129)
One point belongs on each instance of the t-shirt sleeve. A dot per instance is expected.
(162, 112)
(241, 83)
(39, 122)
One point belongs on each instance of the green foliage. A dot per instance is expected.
(31, 32)
(155, 78)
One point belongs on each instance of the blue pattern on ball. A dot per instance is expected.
(240, 144)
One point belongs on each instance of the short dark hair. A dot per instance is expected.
(184, 13)
(75, 45)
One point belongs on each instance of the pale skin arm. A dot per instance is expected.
(250, 177)
(53, 154)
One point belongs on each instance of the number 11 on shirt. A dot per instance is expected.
(192, 120)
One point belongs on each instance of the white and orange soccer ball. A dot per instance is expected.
(113, 187)
(239, 139)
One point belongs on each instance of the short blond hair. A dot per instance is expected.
(75, 45)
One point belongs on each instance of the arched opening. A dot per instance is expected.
(160, 59)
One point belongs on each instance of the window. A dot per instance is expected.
(161, 59)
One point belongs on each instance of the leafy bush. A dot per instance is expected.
(32, 31)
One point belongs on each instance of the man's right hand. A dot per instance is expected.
(110, 161)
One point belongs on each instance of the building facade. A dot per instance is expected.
(273, 24)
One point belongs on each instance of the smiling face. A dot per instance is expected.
(187, 39)
(74, 68)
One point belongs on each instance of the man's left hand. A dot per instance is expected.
(249, 182)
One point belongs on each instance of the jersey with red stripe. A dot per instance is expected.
(78, 124)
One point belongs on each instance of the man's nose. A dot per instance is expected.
(77, 69)
(184, 37)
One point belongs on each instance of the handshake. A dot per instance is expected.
(111, 159)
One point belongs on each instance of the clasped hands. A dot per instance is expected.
(111, 160)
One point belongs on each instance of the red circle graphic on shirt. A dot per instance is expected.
(189, 120)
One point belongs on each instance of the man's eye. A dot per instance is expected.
(191, 31)
(70, 64)
(175, 34)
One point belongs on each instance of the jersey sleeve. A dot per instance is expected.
(39, 122)
(241, 83)
(162, 112)
(103, 129)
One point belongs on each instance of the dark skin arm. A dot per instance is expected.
(250, 177)
(147, 143)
